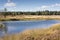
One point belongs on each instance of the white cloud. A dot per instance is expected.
(10, 4)
(44, 6)
(49, 6)
(57, 4)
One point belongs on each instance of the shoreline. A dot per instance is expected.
(48, 33)
(30, 17)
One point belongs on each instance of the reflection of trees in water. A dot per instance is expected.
(3, 27)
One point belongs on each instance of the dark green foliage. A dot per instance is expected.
(31, 13)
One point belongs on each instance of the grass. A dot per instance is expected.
(52, 33)
(30, 17)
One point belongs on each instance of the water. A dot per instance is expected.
(19, 26)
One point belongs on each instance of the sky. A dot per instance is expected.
(30, 5)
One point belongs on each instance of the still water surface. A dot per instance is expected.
(19, 26)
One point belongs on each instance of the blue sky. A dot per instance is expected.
(30, 5)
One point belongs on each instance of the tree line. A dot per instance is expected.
(31, 13)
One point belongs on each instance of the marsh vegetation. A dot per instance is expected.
(3, 27)
(38, 15)
(52, 33)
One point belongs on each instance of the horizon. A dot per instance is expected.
(30, 5)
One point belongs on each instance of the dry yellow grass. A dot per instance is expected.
(32, 17)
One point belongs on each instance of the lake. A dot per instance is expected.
(19, 26)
